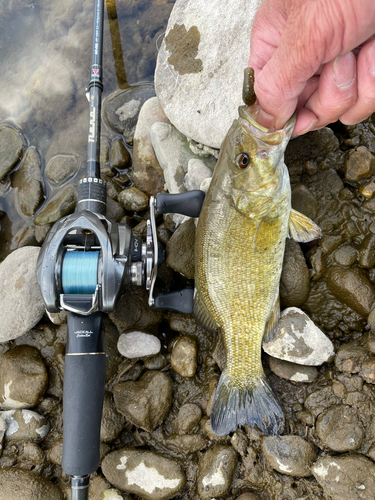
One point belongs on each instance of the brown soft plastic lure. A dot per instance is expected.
(248, 95)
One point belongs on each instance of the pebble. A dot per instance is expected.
(215, 471)
(304, 201)
(122, 108)
(115, 211)
(132, 199)
(298, 340)
(349, 357)
(368, 370)
(197, 172)
(319, 400)
(148, 175)
(184, 356)
(366, 254)
(63, 203)
(11, 149)
(61, 167)
(186, 56)
(346, 477)
(367, 190)
(240, 442)
(353, 288)
(21, 303)
(27, 485)
(56, 450)
(359, 165)
(180, 249)
(290, 455)
(120, 156)
(292, 371)
(144, 473)
(29, 183)
(25, 425)
(146, 402)
(138, 344)
(23, 378)
(345, 256)
(205, 184)
(188, 418)
(295, 276)
(112, 422)
(340, 429)
(248, 496)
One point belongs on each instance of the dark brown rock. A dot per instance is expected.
(215, 471)
(120, 156)
(180, 249)
(359, 164)
(291, 455)
(27, 485)
(11, 149)
(29, 183)
(340, 429)
(184, 356)
(295, 276)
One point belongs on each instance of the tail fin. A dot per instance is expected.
(234, 407)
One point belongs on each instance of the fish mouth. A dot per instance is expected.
(270, 136)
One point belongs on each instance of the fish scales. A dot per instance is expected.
(239, 250)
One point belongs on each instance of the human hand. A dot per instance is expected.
(316, 56)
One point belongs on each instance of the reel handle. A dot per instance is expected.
(180, 301)
(84, 380)
(189, 203)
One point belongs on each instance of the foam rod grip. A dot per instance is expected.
(84, 379)
(189, 203)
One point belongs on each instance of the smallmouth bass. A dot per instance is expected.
(239, 250)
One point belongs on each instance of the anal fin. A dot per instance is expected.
(301, 228)
(202, 314)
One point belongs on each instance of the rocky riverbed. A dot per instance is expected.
(162, 368)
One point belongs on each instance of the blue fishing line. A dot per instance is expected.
(79, 272)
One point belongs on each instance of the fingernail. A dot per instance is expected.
(371, 59)
(309, 127)
(344, 70)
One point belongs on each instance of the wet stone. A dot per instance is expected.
(215, 471)
(188, 418)
(25, 425)
(132, 199)
(298, 340)
(120, 156)
(122, 109)
(144, 473)
(291, 455)
(21, 303)
(60, 205)
(138, 344)
(29, 183)
(148, 175)
(248, 496)
(28, 485)
(240, 442)
(11, 149)
(295, 276)
(350, 357)
(345, 256)
(55, 452)
(366, 254)
(23, 378)
(184, 356)
(359, 165)
(346, 477)
(339, 429)
(304, 201)
(367, 190)
(353, 288)
(292, 371)
(180, 249)
(115, 212)
(112, 421)
(321, 399)
(368, 339)
(60, 167)
(368, 371)
(146, 402)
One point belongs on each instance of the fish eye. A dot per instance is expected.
(243, 160)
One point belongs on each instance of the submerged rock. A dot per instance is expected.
(148, 175)
(29, 183)
(147, 402)
(60, 167)
(291, 455)
(11, 149)
(189, 72)
(144, 473)
(215, 471)
(120, 156)
(60, 205)
(27, 485)
(346, 477)
(21, 303)
(138, 344)
(298, 340)
(132, 199)
(23, 378)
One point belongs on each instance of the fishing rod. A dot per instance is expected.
(85, 264)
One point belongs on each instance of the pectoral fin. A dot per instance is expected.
(202, 314)
(301, 228)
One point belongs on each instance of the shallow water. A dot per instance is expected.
(45, 54)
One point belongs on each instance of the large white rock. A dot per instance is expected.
(299, 340)
(199, 72)
(138, 344)
(21, 303)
